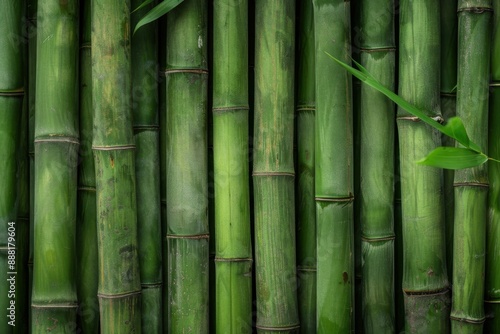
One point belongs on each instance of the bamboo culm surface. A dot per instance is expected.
(425, 281)
(492, 279)
(186, 169)
(377, 55)
(471, 185)
(119, 288)
(305, 204)
(334, 188)
(233, 258)
(11, 104)
(147, 155)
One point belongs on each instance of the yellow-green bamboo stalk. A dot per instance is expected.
(471, 185)
(54, 297)
(119, 287)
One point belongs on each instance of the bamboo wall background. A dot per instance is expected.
(232, 178)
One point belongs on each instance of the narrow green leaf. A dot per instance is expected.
(159, 10)
(454, 128)
(454, 158)
(142, 5)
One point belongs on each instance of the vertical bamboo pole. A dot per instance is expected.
(146, 133)
(11, 104)
(233, 261)
(306, 207)
(119, 288)
(471, 185)
(86, 237)
(425, 280)
(492, 282)
(377, 49)
(54, 297)
(449, 38)
(334, 169)
(273, 168)
(186, 170)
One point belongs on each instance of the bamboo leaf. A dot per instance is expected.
(159, 10)
(453, 129)
(454, 158)
(142, 5)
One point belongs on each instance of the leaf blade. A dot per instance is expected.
(159, 10)
(453, 158)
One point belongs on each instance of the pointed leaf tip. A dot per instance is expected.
(453, 158)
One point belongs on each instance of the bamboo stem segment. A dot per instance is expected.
(273, 167)
(492, 279)
(119, 287)
(377, 49)
(334, 169)
(54, 296)
(186, 169)
(471, 185)
(306, 206)
(233, 261)
(425, 280)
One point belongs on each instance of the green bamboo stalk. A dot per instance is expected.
(31, 17)
(186, 170)
(273, 167)
(163, 162)
(11, 104)
(492, 279)
(146, 130)
(425, 281)
(334, 169)
(54, 296)
(86, 237)
(119, 288)
(471, 185)
(377, 48)
(233, 261)
(449, 38)
(23, 207)
(306, 207)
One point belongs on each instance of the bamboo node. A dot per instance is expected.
(273, 174)
(476, 10)
(378, 49)
(278, 329)
(59, 305)
(234, 259)
(13, 92)
(468, 320)
(191, 236)
(119, 295)
(113, 148)
(58, 139)
(471, 184)
(218, 110)
(347, 199)
(438, 119)
(378, 239)
(187, 70)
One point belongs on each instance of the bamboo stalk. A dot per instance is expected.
(54, 297)
(377, 48)
(146, 129)
(492, 279)
(273, 167)
(87, 258)
(306, 207)
(425, 281)
(186, 170)
(119, 287)
(31, 17)
(449, 38)
(233, 261)
(334, 169)
(471, 185)
(11, 104)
